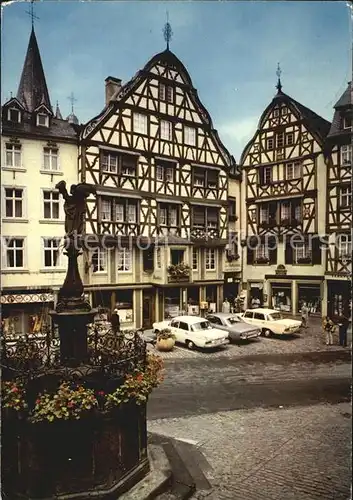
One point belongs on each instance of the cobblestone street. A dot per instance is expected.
(301, 453)
(310, 340)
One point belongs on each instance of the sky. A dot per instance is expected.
(230, 49)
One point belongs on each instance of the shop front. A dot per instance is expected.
(339, 296)
(231, 286)
(255, 294)
(311, 295)
(211, 297)
(281, 297)
(172, 302)
(122, 299)
(193, 301)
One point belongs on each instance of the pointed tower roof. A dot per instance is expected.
(342, 108)
(58, 114)
(33, 90)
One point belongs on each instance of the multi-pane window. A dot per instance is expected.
(110, 163)
(302, 251)
(284, 110)
(140, 123)
(276, 112)
(165, 92)
(205, 178)
(199, 177)
(265, 175)
(195, 259)
(13, 202)
(262, 252)
(124, 259)
(13, 155)
(106, 210)
(346, 155)
(205, 217)
(280, 140)
(51, 159)
(285, 210)
(99, 260)
(131, 212)
(298, 212)
(346, 196)
(264, 214)
(270, 143)
(345, 245)
(13, 115)
(166, 130)
(164, 172)
(289, 139)
(347, 122)
(210, 259)
(168, 216)
(51, 248)
(118, 210)
(293, 170)
(14, 252)
(51, 204)
(128, 166)
(190, 136)
(42, 120)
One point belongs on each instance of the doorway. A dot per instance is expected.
(147, 308)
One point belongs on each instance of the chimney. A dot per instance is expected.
(112, 87)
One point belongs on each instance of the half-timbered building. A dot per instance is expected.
(161, 210)
(38, 149)
(284, 198)
(338, 273)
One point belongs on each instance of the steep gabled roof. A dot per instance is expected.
(342, 106)
(346, 98)
(32, 90)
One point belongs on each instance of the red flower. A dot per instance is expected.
(100, 393)
(14, 389)
(37, 401)
(139, 377)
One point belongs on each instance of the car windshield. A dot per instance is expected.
(203, 325)
(275, 316)
(232, 320)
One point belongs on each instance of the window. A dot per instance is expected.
(205, 217)
(118, 210)
(51, 252)
(99, 260)
(13, 115)
(51, 159)
(195, 259)
(262, 252)
(131, 213)
(110, 163)
(166, 130)
(270, 143)
(106, 210)
(293, 170)
(259, 316)
(124, 260)
(215, 320)
(51, 204)
(128, 166)
(14, 252)
(346, 197)
(302, 252)
(164, 172)
(190, 136)
(346, 155)
(165, 92)
(212, 179)
(265, 175)
(347, 122)
(14, 203)
(276, 112)
(289, 139)
(158, 258)
(298, 212)
(231, 209)
(168, 215)
(205, 178)
(248, 314)
(284, 110)
(42, 120)
(176, 257)
(264, 214)
(345, 246)
(140, 123)
(210, 259)
(183, 326)
(199, 177)
(285, 211)
(280, 140)
(13, 155)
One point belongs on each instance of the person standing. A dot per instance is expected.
(343, 323)
(305, 315)
(226, 306)
(328, 327)
(116, 321)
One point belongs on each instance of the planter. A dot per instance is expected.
(165, 344)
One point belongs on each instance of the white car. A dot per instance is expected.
(194, 332)
(271, 322)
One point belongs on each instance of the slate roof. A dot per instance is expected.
(343, 105)
(346, 98)
(33, 90)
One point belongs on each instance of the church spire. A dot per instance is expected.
(58, 112)
(33, 90)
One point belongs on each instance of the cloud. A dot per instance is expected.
(236, 134)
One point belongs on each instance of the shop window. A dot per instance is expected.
(124, 260)
(210, 259)
(311, 296)
(172, 302)
(13, 155)
(282, 298)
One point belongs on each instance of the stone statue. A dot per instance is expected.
(75, 206)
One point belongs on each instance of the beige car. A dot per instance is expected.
(271, 322)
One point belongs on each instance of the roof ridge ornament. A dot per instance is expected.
(167, 31)
(31, 13)
(279, 84)
(72, 99)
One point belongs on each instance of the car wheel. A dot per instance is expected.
(190, 345)
(267, 332)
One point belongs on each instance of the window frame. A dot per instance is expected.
(296, 167)
(195, 259)
(114, 202)
(166, 130)
(46, 120)
(140, 123)
(346, 245)
(51, 249)
(262, 252)
(6, 240)
(347, 196)
(346, 150)
(167, 208)
(126, 254)
(12, 152)
(11, 109)
(48, 152)
(270, 146)
(51, 202)
(210, 257)
(280, 140)
(14, 199)
(307, 253)
(289, 135)
(190, 138)
(100, 262)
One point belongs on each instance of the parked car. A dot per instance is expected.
(194, 332)
(237, 328)
(271, 322)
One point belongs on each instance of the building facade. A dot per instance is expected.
(338, 272)
(284, 207)
(39, 149)
(162, 209)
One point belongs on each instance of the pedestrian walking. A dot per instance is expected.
(343, 323)
(305, 315)
(116, 321)
(328, 327)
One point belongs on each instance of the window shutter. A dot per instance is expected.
(250, 256)
(199, 216)
(289, 254)
(212, 215)
(316, 250)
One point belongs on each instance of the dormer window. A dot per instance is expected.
(42, 120)
(347, 122)
(14, 115)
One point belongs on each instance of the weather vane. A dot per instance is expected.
(278, 73)
(167, 31)
(72, 99)
(31, 13)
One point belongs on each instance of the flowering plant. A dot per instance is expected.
(181, 269)
(165, 334)
(138, 385)
(13, 396)
(67, 403)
